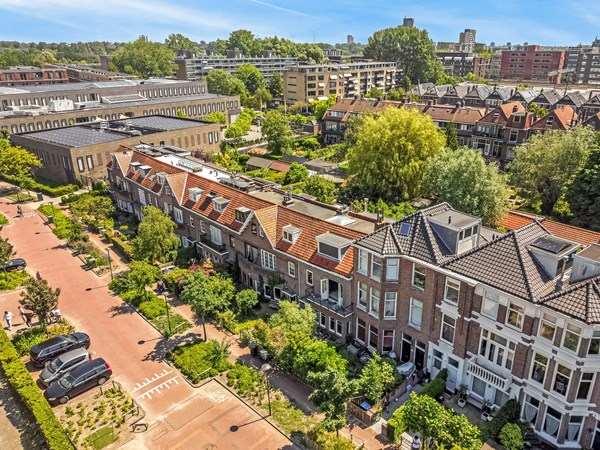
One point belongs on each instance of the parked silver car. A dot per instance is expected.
(62, 364)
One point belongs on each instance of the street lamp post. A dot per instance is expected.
(165, 293)
(265, 369)
(109, 263)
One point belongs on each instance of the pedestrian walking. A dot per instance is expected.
(23, 315)
(8, 316)
(28, 317)
(19, 211)
(38, 276)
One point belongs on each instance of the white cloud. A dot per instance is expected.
(281, 8)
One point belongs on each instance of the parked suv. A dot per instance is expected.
(86, 376)
(62, 364)
(14, 264)
(43, 353)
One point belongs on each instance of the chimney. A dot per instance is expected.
(561, 281)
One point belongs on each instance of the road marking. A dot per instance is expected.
(157, 376)
(158, 389)
(25, 216)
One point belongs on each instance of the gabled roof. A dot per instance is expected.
(517, 219)
(280, 166)
(502, 113)
(527, 95)
(594, 121)
(581, 300)
(457, 91)
(262, 163)
(501, 93)
(122, 158)
(575, 98)
(593, 101)
(481, 91)
(562, 118)
(549, 96)
(456, 114)
(506, 264)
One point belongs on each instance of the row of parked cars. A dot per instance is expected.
(68, 368)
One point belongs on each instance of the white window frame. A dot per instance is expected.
(420, 270)
(565, 381)
(389, 305)
(518, 311)
(383, 349)
(142, 196)
(548, 321)
(594, 346)
(178, 215)
(192, 222)
(535, 362)
(497, 349)
(374, 300)
(415, 305)
(375, 263)
(291, 269)
(490, 298)
(392, 271)
(202, 227)
(361, 295)
(216, 237)
(310, 278)
(452, 284)
(268, 260)
(572, 330)
(363, 261)
(590, 382)
(451, 324)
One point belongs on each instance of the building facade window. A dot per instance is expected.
(540, 365)
(80, 164)
(448, 326)
(309, 277)
(178, 215)
(515, 316)
(90, 162)
(531, 409)
(416, 313)
(363, 261)
(389, 307)
(572, 337)
(142, 196)
(452, 291)
(361, 330)
(391, 269)
(548, 327)
(388, 341)
(489, 305)
(574, 430)
(585, 385)
(373, 336)
(594, 348)
(267, 260)
(418, 277)
(552, 422)
(374, 304)
(292, 269)
(497, 349)
(361, 300)
(215, 236)
(562, 379)
(375, 269)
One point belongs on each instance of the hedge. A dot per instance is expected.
(125, 249)
(56, 191)
(509, 413)
(21, 381)
(3, 219)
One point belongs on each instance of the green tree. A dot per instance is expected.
(241, 40)
(451, 136)
(539, 111)
(411, 48)
(17, 163)
(43, 57)
(375, 93)
(244, 301)
(332, 391)
(178, 42)
(156, 239)
(276, 85)
(219, 81)
(321, 106)
(142, 274)
(320, 187)
(218, 47)
(464, 179)
(583, 194)
(6, 253)
(93, 209)
(262, 95)
(218, 353)
(297, 173)
(216, 117)
(511, 437)
(292, 318)
(145, 59)
(250, 76)
(377, 378)
(390, 151)
(395, 94)
(276, 130)
(548, 162)
(39, 298)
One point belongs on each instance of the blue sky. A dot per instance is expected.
(559, 22)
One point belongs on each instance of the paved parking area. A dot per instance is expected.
(132, 347)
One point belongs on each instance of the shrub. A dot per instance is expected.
(509, 413)
(244, 379)
(193, 361)
(227, 320)
(3, 219)
(437, 386)
(15, 279)
(329, 441)
(135, 297)
(153, 308)
(121, 284)
(174, 279)
(19, 379)
(53, 191)
(177, 322)
(125, 248)
(25, 339)
(511, 437)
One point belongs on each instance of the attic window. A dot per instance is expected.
(550, 120)
(468, 232)
(242, 213)
(404, 229)
(160, 178)
(290, 233)
(220, 203)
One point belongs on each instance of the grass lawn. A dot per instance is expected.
(21, 197)
(102, 437)
(178, 324)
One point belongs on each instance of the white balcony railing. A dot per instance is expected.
(487, 375)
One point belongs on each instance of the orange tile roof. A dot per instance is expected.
(517, 219)
(504, 112)
(280, 166)
(558, 119)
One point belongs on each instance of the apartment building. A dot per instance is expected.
(467, 39)
(32, 76)
(510, 315)
(532, 63)
(26, 110)
(90, 73)
(316, 82)
(460, 64)
(584, 61)
(81, 152)
(192, 67)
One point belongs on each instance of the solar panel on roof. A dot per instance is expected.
(123, 98)
(107, 84)
(191, 165)
(550, 244)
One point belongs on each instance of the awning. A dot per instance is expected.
(322, 98)
(321, 84)
(347, 75)
(333, 77)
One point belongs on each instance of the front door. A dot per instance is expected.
(451, 381)
(406, 348)
(324, 288)
(419, 356)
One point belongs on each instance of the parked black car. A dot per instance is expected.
(14, 264)
(92, 373)
(62, 364)
(43, 353)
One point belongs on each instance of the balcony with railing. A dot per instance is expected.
(478, 369)
(330, 303)
(207, 242)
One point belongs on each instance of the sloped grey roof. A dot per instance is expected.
(503, 93)
(526, 95)
(480, 91)
(581, 300)
(506, 264)
(551, 96)
(577, 98)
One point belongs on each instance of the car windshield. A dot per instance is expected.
(55, 365)
(67, 381)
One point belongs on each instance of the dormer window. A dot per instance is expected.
(241, 214)
(145, 170)
(195, 194)
(168, 190)
(468, 232)
(160, 178)
(290, 233)
(333, 246)
(220, 203)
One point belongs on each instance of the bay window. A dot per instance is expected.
(363, 261)
(585, 385)
(562, 379)
(571, 340)
(548, 327)
(515, 315)
(497, 349)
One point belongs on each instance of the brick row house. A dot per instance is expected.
(509, 315)
(274, 249)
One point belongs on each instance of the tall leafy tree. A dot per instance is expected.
(463, 179)
(17, 162)
(92, 208)
(276, 130)
(275, 85)
(451, 136)
(332, 391)
(219, 81)
(145, 58)
(292, 318)
(156, 239)
(142, 274)
(178, 42)
(241, 40)
(250, 76)
(297, 173)
(321, 106)
(583, 194)
(376, 378)
(216, 117)
(548, 162)
(411, 48)
(390, 151)
(40, 298)
(261, 96)
(320, 187)
(6, 253)
(244, 301)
